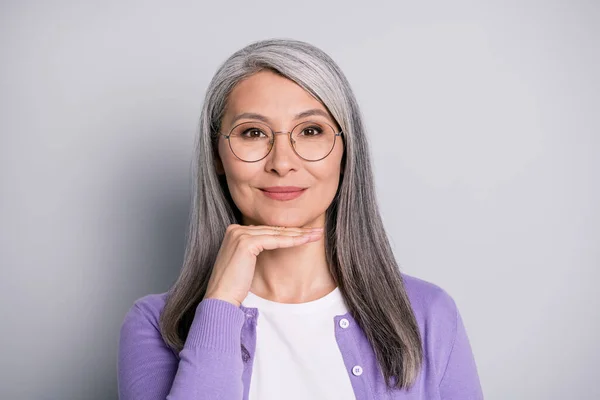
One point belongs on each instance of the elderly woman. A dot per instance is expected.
(289, 288)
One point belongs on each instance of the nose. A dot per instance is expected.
(282, 157)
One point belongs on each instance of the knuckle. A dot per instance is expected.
(233, 230)
(238, 233)
(231, 227)
(244, 239)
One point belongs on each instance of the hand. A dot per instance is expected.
(233, 271)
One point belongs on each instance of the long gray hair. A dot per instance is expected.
(357, 248)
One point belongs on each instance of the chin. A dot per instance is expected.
(289, 222)
(281, 219)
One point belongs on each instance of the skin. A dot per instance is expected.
(295, 274)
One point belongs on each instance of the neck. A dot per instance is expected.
(293, 275)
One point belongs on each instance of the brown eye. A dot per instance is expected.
(252, 133)
(312, 131)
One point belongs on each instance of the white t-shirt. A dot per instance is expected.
(297, 356)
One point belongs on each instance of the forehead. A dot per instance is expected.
(269, 94)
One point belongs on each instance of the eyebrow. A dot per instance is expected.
(260, 117)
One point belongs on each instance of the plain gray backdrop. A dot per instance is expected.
(484, 123)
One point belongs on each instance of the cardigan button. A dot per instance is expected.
(344, 323)
(357, 370)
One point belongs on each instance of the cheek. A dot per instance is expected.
(238, 176)
(239, 190)
(237, 180)
(232, 167)
(328, 178)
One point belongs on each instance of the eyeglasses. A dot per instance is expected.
(253, 141)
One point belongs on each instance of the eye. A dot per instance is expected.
(252, 133)
(312, 130)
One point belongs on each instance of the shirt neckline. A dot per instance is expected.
(332, 298)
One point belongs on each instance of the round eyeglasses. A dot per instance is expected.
(253, 141)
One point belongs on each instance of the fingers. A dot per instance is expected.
(255, 239)
(273, 230)
(274, 242)
(258, 243)
(281, 228)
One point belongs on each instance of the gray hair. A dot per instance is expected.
(358, 252)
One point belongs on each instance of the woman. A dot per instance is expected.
(289, 288)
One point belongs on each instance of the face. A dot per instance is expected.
(279, 100)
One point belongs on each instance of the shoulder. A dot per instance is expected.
(151, 305)
(435, 309)
(144, 314)
(428, 299)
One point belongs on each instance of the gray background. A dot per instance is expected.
(484, 125)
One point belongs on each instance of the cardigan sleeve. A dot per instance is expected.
(209, 366)
(460, 380)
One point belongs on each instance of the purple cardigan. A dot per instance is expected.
(211, 364)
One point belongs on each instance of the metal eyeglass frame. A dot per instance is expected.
(340, 133)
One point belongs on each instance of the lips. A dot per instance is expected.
(283, 193)
(282, 189)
